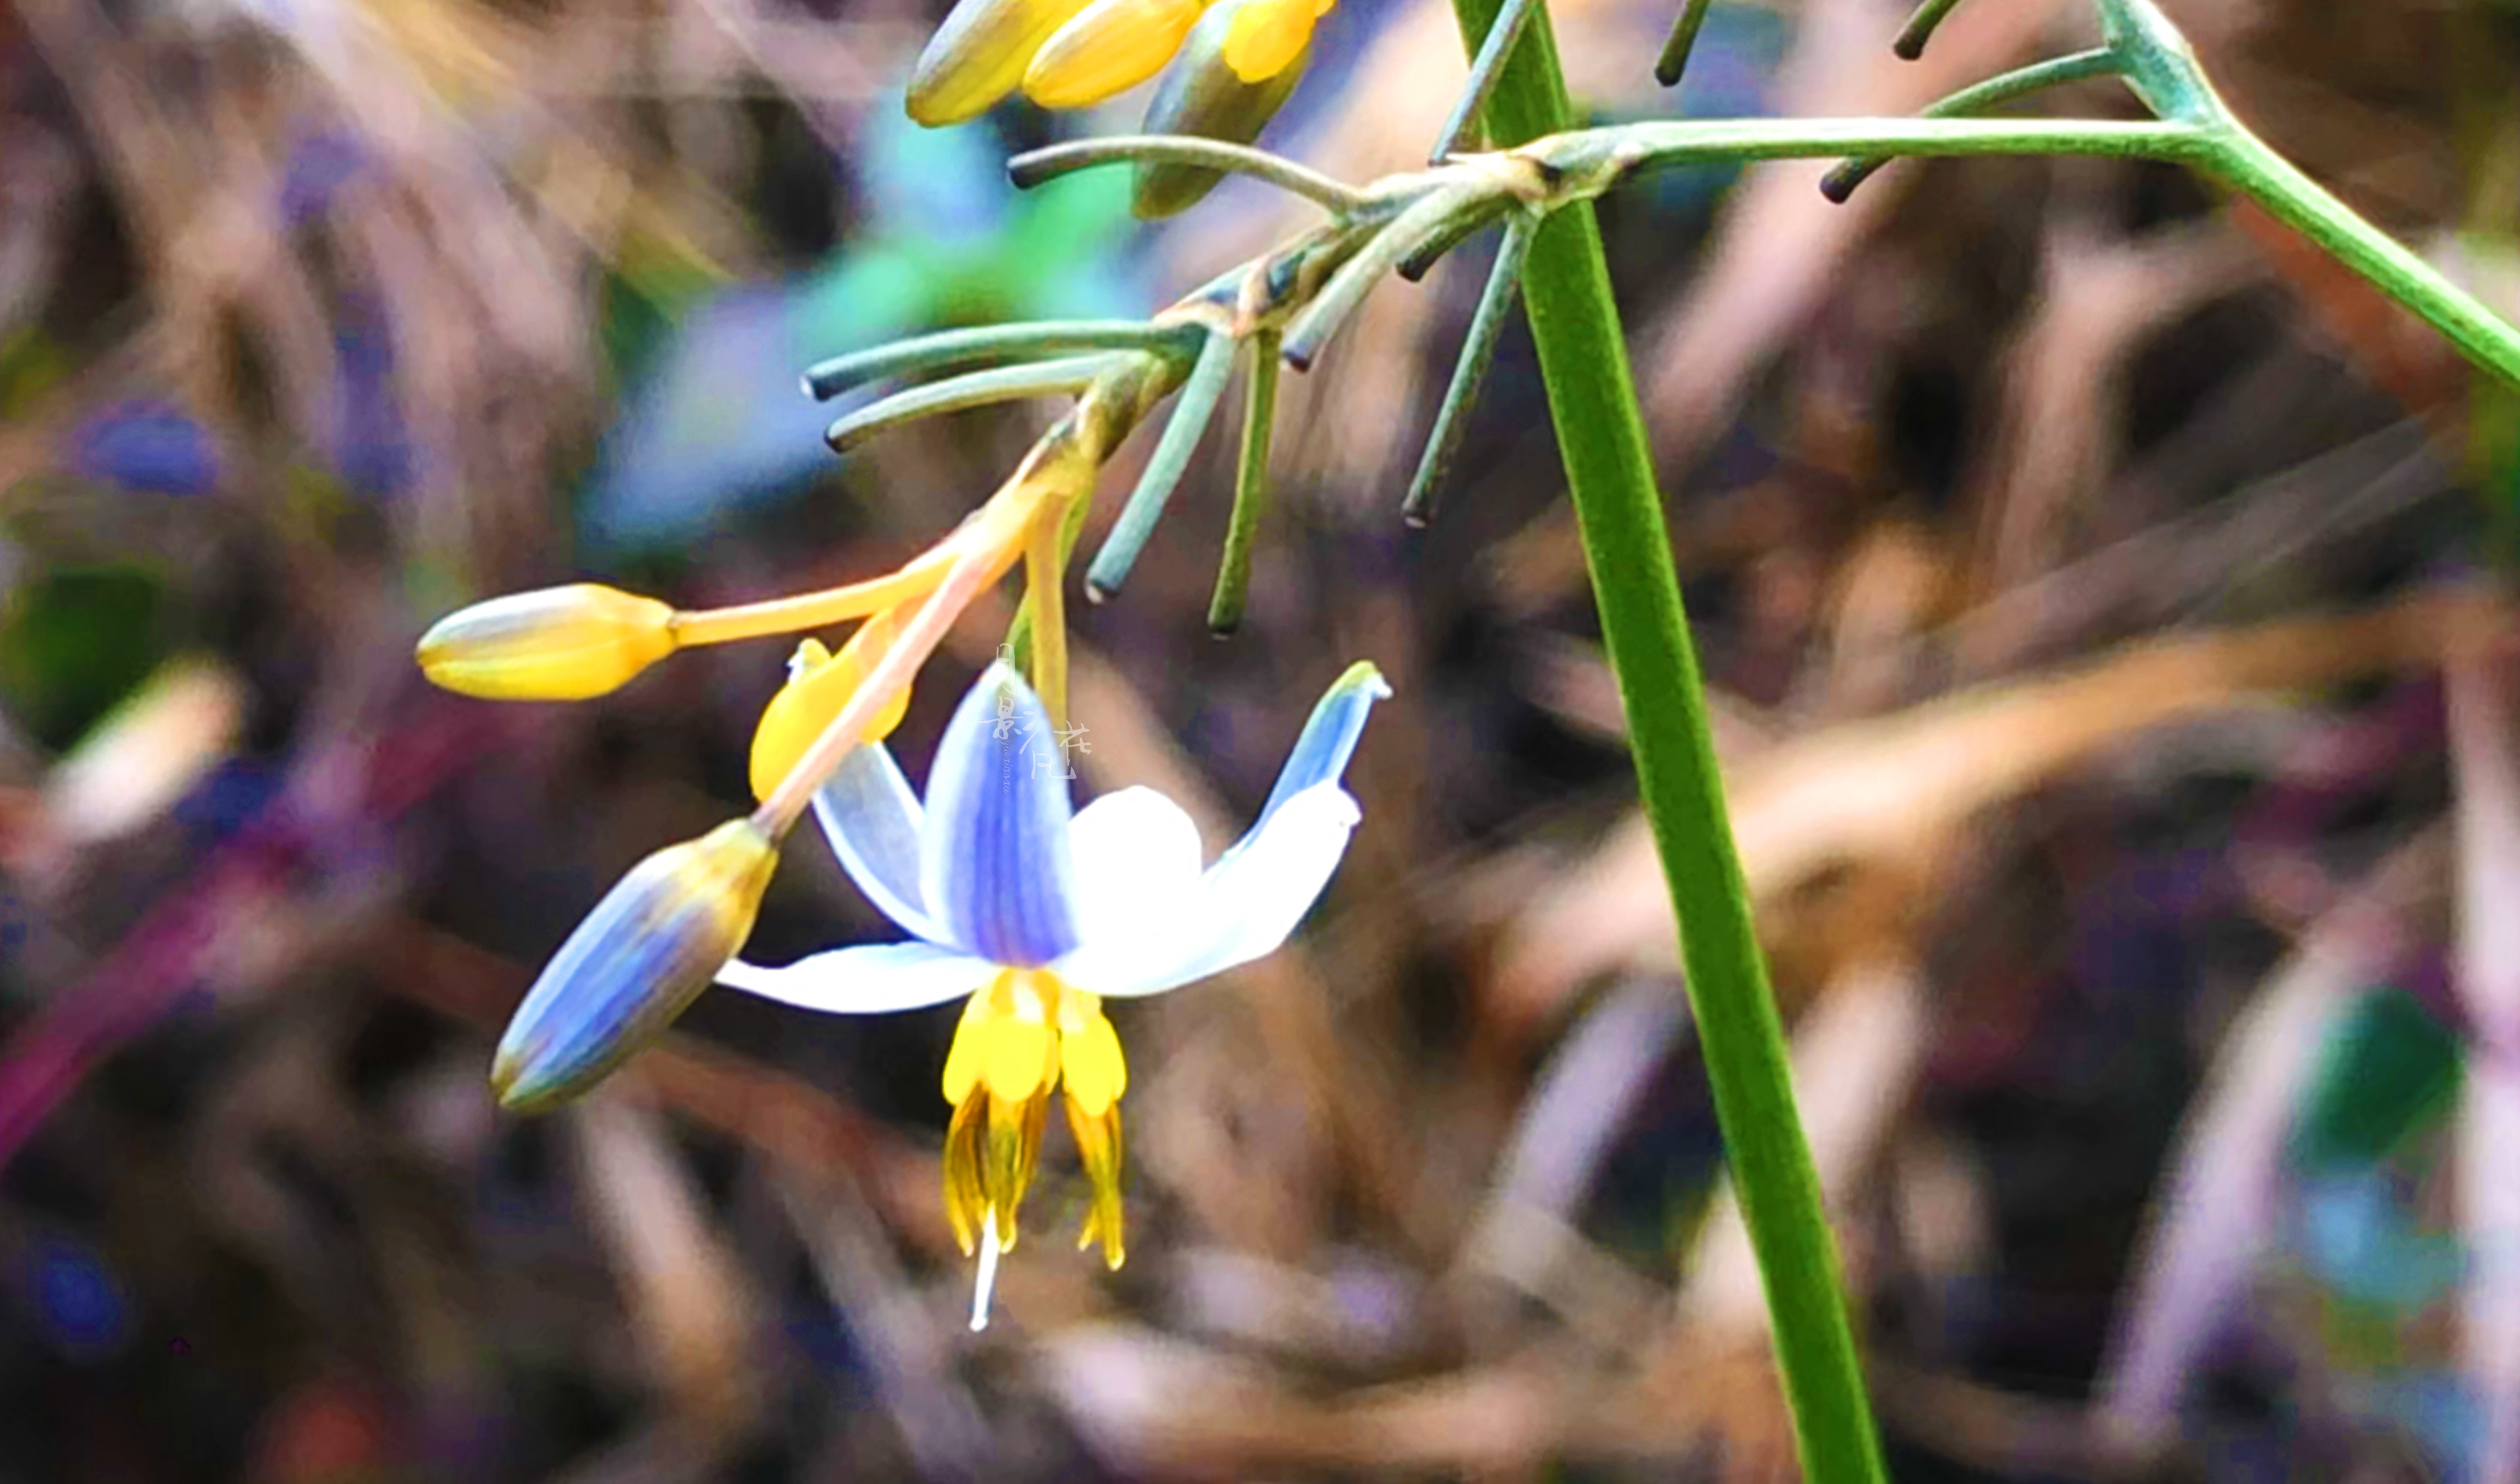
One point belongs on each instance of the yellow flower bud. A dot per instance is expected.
(820, 683)
(1268, 35)
(641, 957)
(980, 54)
(1203, 96)
(556, 644)
(1110, 47)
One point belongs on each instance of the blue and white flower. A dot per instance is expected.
(1038, 916)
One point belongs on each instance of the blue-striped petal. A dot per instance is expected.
(993, 855)
(1321, 753)
(871, 819)
(872, 980)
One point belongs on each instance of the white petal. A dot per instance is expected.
(1137, 858)
(872, 979)
(871, 819)
(1245, 906)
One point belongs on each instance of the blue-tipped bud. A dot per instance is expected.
(641, 957)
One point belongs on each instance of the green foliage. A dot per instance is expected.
(76, 641)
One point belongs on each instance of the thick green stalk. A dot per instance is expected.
(1609, 475)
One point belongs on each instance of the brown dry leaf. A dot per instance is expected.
(691, 1306)
(1885, 792)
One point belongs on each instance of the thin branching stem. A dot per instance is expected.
(1673, 60)
(1192, 412)
(1032, 168)
(1500, 38)
(1478, 351)
(949, 348)
(1411, 230)
(977, 389)
(2099, 61)
(1250, 488)
(1921, 28)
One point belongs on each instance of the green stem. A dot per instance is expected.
(1609, 475)
(1600, 159)
(962, 393)
(1921, 28)
(2081, 67)
(2243, 162)
(1164, 468)
(1683, 40)
(1478, 351)
(1052, 161)
(991, 342)
(1250, 488)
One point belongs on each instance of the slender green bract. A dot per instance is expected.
(1609, 475)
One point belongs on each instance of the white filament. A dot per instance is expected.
(987, 1279)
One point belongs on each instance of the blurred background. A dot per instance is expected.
(2098, 587)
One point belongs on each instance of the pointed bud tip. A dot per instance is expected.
(1366, 676)
(633, 964)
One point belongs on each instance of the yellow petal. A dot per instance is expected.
(962, 1059)
(979, 55)
(1090, 1060)
(1267, 36)
(815, 693)
(1098, 1147)
(965, 1196)
(1017, 1059)
(1110, 47)
(1013, 1145)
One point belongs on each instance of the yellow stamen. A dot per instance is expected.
(986, 1282)
(1019, 1041)
(1098, 1149)
(1090, 1054)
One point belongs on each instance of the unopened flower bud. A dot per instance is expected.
(641, 957)
(1203, 95)
(979, 55)
(1110, 47)
(1265, 37)
(818, 683)
(556, 644)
